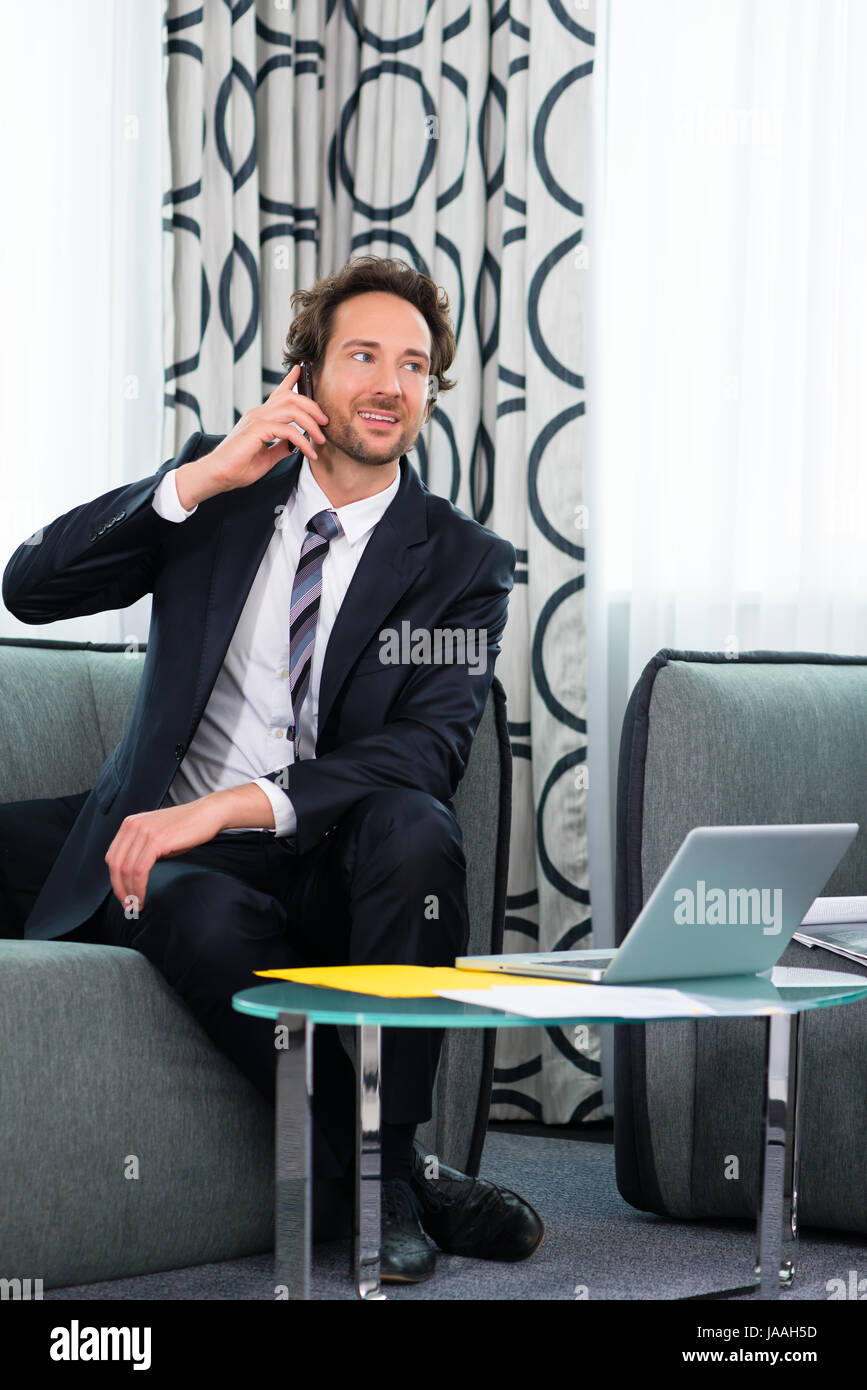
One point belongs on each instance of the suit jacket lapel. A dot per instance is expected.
(239, 545)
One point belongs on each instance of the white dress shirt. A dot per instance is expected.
(242, 732)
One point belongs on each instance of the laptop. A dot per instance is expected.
(728, 904)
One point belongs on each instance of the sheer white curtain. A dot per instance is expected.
(727, 357)
(81, 369)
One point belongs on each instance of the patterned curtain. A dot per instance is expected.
(453, 135)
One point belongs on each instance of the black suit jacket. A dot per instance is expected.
(379, 725)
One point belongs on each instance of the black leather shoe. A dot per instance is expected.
(470, 1216)
(406, 1257)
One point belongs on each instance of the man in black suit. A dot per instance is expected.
(283, 791)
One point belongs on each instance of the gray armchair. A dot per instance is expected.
(771, 737)
(128, 1142)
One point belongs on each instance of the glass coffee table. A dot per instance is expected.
(297, 1008)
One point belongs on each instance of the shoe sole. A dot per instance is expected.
(405, 1278)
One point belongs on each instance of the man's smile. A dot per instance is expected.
(378, 420)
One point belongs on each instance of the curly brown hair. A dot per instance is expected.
(309, 335)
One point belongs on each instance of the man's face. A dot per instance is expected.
(377, 361)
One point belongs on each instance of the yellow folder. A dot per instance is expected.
(399, 981)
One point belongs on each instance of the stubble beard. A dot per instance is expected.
(343, 434)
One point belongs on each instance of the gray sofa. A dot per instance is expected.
(771, 737)
(128, 1142)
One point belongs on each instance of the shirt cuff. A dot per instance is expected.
(166, 502)
(285, 819)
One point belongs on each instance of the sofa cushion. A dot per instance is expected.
(128, 1142)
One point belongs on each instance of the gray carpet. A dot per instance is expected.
(596, 1246)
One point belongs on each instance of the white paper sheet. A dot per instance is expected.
(824, 912)
(583, 1001)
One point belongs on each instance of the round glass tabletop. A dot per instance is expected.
(738, 996)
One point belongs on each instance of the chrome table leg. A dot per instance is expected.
(777, 1214)
(293, 1195)
(368, 1229)
(777, 1233)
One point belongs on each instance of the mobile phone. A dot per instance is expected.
(305, 380)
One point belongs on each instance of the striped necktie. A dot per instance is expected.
(322, 529)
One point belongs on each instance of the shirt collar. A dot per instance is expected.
(356, 518)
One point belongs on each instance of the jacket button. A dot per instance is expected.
(179, 750)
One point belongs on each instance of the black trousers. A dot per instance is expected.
(387, 885)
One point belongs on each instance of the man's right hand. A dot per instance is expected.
(262, 437)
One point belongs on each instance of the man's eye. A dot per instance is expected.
(361, 353)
